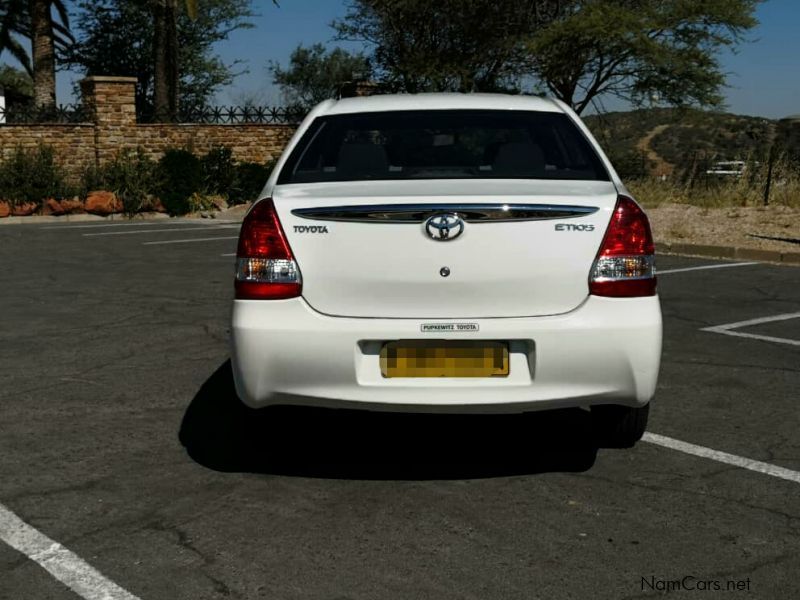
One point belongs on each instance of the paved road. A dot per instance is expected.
(121, 440)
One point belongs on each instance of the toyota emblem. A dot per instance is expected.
(444, 227)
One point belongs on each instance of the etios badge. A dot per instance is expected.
(444, 227)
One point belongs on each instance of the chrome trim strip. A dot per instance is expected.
(417, 213)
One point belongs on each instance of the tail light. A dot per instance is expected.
(265, 267)
(625, 264)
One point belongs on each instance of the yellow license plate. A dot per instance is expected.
(443, 358)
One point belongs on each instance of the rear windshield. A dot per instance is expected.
(442, 144)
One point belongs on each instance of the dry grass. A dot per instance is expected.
(726, 212)
(746, 191)
(727, 226)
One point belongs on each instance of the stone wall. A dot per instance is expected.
(73, 144)
(249, 142)
(113, 127)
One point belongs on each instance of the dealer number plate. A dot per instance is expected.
(444, 358)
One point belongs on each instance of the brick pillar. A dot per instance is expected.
(112, 103)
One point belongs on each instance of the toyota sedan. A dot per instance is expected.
(448, 252)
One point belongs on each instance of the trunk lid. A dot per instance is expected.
(378, 267)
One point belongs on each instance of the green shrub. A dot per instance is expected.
(237, 182)
(32, 176)
(92, 179)
(181, 175)
(183, 182)
(219, 171)
(250, 180)
(131, 176)
(201, 201)
(629, 164)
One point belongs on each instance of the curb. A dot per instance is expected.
(702, 250)
(89, 218)
(80, 218)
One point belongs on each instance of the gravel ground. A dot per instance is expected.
(731, 226)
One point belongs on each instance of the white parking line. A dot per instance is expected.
(149, 223)
(703, 267)
(66, 566)
(727, 329)
(188, 241)
(231, 254)
(162, 230)
(723, 457)
(104, 225)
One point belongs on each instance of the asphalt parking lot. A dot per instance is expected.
(128, 469)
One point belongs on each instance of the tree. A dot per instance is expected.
(315, 74)
(117, 37)
(17, 86)
(639, 50)
(167, 55)
(166, 77)
(45, 34)
(447, 45)
(576, 50)
(15, 21)
(34, 20)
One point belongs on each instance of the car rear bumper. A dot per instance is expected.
(607, 351)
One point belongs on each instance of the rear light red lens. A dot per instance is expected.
(625, 263)
(261, 235)
(252, 290)
(265, 267)
(628, 233)
(631, 288)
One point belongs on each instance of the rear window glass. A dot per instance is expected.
(442, 144)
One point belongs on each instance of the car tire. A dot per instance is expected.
(618, 426)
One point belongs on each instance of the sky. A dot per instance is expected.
(763, 74)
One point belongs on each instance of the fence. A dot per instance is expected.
(229, 115)
(106, 123)
(26, 115)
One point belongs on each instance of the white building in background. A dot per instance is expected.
(728, 168)
(2, 105)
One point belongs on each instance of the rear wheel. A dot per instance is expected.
(619, 426)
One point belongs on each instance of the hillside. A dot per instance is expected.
(666, 140)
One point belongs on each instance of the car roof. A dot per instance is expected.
(452, 101)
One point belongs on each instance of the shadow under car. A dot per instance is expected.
(221, 433)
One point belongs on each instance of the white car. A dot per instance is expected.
(448, 252)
